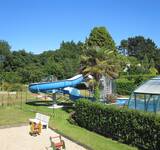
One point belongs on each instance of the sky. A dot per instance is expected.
(39, 25)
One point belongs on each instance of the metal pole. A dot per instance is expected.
(54, 102)
(21, 100)
(145, 103)
(150, 96)
(155, 104)
(8, 99)
(26, 95)
(2, 100)
(135, 98)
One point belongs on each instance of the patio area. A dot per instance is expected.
(18, 138)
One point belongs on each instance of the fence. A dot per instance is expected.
(16, 98)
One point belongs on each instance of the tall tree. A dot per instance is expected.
(98, 62)
(64, 62)
(138, 46)
(100, 37)
(157, 60)
(145, 64)
(5, 55)
(98, 57)
(123, 47)
(151, 64)
(4, 48)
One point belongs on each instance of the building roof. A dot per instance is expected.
(151, 86)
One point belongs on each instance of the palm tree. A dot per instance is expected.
(100, 61)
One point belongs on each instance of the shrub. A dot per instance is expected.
(124, 86)
(11, 77)
(129, 126)
(16, 87)
(97, 93)
(5, 86)
(71, 118)
(12, 87)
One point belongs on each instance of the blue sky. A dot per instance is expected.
(38, 25)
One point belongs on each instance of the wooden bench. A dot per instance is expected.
(41, 118)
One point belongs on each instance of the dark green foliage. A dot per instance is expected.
(4, 48)
(157, 60)
(123, 47)
(25, 67)
(99, 57)
(125, 86)
(64, 62)
(140, 46)
(129, 126)
(11, 77)
(13, 87)
(100, 37)
(97, 93)
(152, 64)
(145, 64)
(30, 73)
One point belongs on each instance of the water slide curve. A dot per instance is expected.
(45, 87)
(65, 86)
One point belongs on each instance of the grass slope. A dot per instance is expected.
(12, 115)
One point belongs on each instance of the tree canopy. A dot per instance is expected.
(142, 48)
(4, 48)
(100, 37)
(26, 67)
(96, 56)
(138, 46)
(99, 56)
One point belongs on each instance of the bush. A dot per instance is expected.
(128, 126)
(5, 86)
(124, 86)
(97, 93)
(16, 87)
(12, 87)
(71, 118)
(11, 77)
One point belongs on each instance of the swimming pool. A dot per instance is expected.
(151, 107)
(122, 101)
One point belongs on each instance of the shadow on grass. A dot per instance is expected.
(39, 103)
(66, 105)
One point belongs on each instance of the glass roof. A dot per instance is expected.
(152, 86)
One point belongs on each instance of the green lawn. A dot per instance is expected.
(11, 115)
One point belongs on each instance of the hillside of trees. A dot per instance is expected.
(97, 55)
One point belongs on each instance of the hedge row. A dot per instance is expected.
(128, 126)
(124, 86)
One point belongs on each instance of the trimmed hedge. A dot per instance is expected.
(128, 126)
(124, 86)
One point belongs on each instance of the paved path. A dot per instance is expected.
(18, 138)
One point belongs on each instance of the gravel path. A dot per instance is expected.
(18, 138)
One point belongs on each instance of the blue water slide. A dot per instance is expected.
(45, 87)
(75, 94)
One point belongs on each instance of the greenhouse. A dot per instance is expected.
(147, 96)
